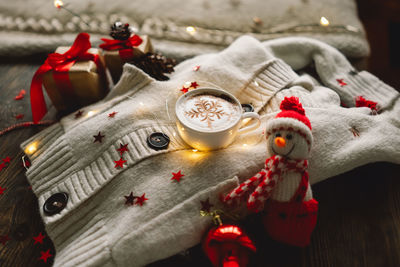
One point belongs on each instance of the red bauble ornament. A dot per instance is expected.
(228, 246)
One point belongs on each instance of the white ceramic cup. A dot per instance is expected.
(212, 139)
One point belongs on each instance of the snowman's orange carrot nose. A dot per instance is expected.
(280, 141)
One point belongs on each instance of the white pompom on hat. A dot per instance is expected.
(291, 118)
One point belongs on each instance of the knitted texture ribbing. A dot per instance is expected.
(96, 228)
(28, 27)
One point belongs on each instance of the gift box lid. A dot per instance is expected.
(81, 66)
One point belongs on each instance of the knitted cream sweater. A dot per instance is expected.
(96, 228)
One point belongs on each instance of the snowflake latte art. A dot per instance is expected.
(208, 112)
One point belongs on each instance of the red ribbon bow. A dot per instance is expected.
(60, 64)
(124, 47)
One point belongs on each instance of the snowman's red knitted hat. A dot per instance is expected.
(291, 118)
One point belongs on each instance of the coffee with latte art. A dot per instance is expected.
(207, 112)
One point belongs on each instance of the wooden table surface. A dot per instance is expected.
(359, 212)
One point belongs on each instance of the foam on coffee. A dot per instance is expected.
(207, 112)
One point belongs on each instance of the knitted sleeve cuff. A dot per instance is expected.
(353, 84)
(39, 143)
(334, 70)
(271, 78)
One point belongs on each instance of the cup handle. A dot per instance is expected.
(254, 125)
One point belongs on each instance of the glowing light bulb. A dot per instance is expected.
(191, 30)
(194, 150)
(324, 21)
(31, 148)
(58, 3)
(246, 120)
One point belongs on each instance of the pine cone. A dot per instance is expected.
(120, 31)
(155, 65)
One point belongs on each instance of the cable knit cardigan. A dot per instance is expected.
(96, 228)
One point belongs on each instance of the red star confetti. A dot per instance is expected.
(177, 176)
(341, 82)
(39, 238)
(20, 95)
(196, 68)
(206, 205)
(19, 116)
(140, 200)
(184, 89)
(2, 166)
(78, 114)
(119, 163)
(4, 239)
(129, 200)
(194, 85)
(98, 138)
(6, 159)
(45, 255)
(112, 114)
(122, 148)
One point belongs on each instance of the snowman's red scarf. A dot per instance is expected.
(261, 185)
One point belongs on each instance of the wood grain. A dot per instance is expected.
(19, 214)
(359, 212)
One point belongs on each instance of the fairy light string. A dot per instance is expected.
(60, 5)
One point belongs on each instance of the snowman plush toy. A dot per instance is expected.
(282, 190)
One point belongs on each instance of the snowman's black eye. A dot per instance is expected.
(289, 136)
(278, 135)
